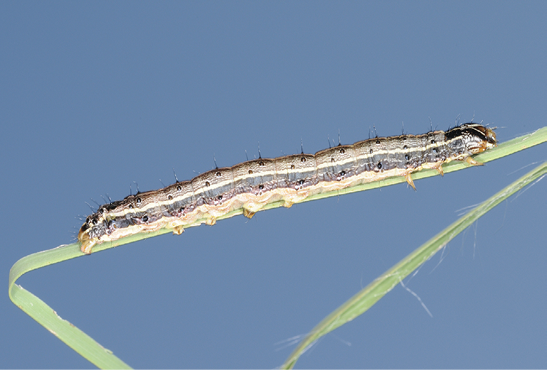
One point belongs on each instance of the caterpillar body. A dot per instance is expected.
(253, 184)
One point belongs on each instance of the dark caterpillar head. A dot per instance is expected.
(472, 138)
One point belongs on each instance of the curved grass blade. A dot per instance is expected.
(47, 317)
(103, 358)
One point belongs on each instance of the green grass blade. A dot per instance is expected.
(368, 296)
(103, 358)
(47, 317)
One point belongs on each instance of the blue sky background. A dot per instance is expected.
(97, 95)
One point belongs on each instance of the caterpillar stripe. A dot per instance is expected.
(253, 184)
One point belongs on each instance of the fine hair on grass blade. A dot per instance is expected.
(368, 296)
(103, 358)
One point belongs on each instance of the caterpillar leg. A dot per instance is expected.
(440, 170)
(473, 162)
(247, 213)
(177, 230)
(287, 204)
(86, 246)
(408, 178)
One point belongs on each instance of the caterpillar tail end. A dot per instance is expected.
(86, 243)
(87, 246)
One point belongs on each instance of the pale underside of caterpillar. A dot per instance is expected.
(253, 184)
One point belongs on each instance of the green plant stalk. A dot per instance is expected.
(368, 296)
(103, 358)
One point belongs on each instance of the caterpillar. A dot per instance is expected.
(253, 184)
